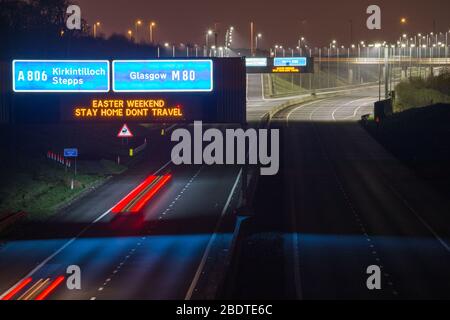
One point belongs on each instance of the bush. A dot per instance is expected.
(418, 92)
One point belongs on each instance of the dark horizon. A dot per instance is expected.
(319, 21)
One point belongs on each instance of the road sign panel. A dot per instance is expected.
(256, 62)
(61, 76)
(162, 75)
(290, 62)
(71, 153)
(280, 65)
(125, 132)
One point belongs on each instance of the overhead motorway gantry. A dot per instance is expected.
(280, 65)
(163, 90)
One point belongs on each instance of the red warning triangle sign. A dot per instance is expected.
(125, 132)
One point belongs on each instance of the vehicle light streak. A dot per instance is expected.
(140, 196)
(50, 288)
(125, 201)
(143, 201)
(17, 289)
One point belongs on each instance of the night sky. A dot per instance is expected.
(279, 21)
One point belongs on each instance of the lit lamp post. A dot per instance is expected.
(283, 51)
(167, 45)
(208, 33)
(403, 23)
(332, 46)
(152, 25)
(258, 36)
(130, 34)
(300, 40)
(136, 25)
(96, 26)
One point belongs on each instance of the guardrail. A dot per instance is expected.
(142, 147)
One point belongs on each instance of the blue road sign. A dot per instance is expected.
(162, 75)
(256, 62)
(290, 62)
(71, 153)
(61, 76)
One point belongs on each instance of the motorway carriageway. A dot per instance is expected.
(340, 204)
(157, 252)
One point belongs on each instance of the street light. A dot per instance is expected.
(96, 25)
(130, 34)
(208, 33)
(152, 25)
(300, 40)
(136, 25)
(167, 46)
(258, 36)
(332, 45)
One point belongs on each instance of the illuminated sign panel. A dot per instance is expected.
(286, 70)
(256, 62)
(154, 91)
(128, 109)
(290, 62)
(162, 75)
(280, 65)
(61, 76)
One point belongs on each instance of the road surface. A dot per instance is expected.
(155, 254)
(342, 203)
(339, 204)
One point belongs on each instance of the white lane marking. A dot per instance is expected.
(211, 241)
(418, 216)
(299, 107)
(319, 107)
(132, 251)
(262, 87)
(68, 243)
(360, 107)
(357, 109)
(347, 104)
(347, 196)
(354, 113)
